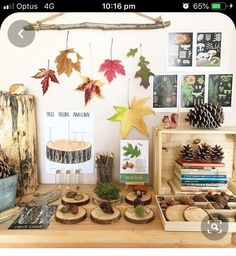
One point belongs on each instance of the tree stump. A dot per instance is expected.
(131, 196)
(18, 138)
(130, 216)
(100, 217)
(70, 218)
(72, 201)
(68, 151)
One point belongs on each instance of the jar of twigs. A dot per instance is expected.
(104, 165)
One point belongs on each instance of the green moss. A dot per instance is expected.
(108, 191)
(139, 211)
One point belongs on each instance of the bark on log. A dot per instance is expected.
(68, 152)
(92, 25)
(18, 138)
(98, 216)
(131, 217)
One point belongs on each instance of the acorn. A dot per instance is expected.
(65, 209)
(130, 165)
(74, 209)
(71, 194)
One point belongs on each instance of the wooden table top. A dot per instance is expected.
(91, 235)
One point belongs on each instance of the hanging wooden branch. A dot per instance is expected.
(102, 26)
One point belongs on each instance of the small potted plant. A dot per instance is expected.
(8, 183)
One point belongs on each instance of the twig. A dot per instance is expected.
(92, 25)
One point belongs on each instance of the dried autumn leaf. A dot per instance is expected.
(132, 52)
(132, 116)
(47, 75)
(111, 67)
(65, 64)
(90, 88)
(144, 72)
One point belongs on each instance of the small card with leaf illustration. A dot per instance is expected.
(134, 161)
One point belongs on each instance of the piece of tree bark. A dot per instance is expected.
(18, 138)
(92, 25)
(98, 216)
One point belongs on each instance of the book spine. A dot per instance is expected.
(200, 172)
(204, 179)
(200, 164)
(203, 176)
(186, 168)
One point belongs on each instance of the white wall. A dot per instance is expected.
(17, 65)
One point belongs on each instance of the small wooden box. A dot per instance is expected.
(195, 226)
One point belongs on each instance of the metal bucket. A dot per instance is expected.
(8, 192)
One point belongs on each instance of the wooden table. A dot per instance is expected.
(120, 234)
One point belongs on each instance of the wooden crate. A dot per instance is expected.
(195, 226)
(167, 143)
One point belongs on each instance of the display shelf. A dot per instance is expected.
(120, 234)
(167, 143)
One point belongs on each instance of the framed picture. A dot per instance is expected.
(208, 50)
(180, 49)
(192, 90)
(134, 161)
(69, 139)
(165, 92)
(220, 88)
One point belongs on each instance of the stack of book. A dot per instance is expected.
(200, 176)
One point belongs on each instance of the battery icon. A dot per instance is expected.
(218, 6)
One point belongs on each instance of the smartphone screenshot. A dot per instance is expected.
(117, 124)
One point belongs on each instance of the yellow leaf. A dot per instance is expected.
(133, 117)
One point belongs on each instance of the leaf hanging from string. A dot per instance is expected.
(65, 64)
(132, 116)
(144, 72)
(47, 75)
(90, 88)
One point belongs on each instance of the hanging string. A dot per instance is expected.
(67, 38)
(48, 64)
(140, 47)
(111, 48)
(91, 60)
(128, 100)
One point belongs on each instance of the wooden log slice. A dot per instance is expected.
(130, 216)
(68, 151)
(100, 217)
(70, 201)
(97, 200)
(131, 196)
(193, 213)
(70, 218)
(176, 212)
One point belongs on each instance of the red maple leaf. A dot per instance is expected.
(46, 74)
(90, 88)
(111, 67)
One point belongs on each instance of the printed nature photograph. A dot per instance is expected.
(220, 89)
(165, 91)
(192, 90)
(208, 52)
(180, 49)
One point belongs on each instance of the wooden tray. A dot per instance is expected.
(194, 226)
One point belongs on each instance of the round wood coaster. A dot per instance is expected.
(97, 200)
(130, 216)
(176, 212)
(68, 151)
(69, 201)
(193, 213)
(70, 218)
(131, 196)
(100, 217)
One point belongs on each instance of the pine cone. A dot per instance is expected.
(206, 115)
(217, 154)
(203, 153)
(186, 153)
(5, 169)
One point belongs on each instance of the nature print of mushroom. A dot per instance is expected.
(208, 49)
(192, 90)
(220, 89)
(165, 91)
(180, 49)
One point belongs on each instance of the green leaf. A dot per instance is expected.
(120, 111)
(132, 52)
(144, 72)
(132, 151)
